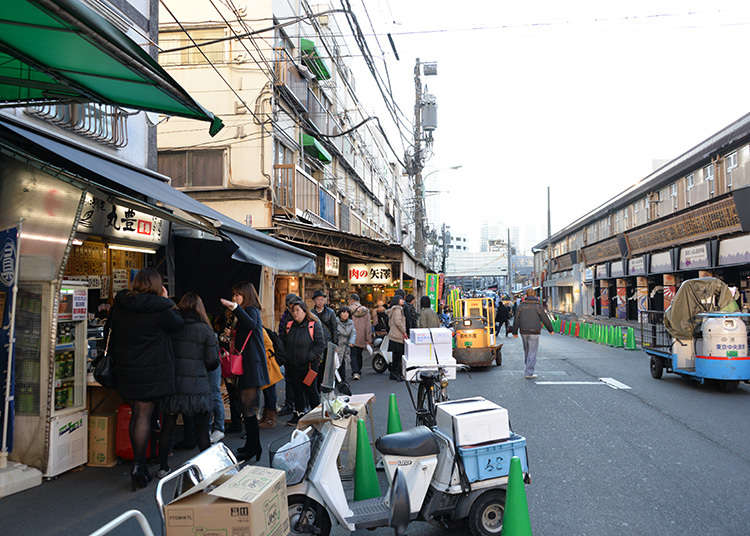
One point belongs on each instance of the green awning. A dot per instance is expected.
(315, 149)
(312, 59)
(61, 50)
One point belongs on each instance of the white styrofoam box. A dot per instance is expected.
(428, 352)
(473, 421)
(68, 444)
(410, 375)
(441, 336)
(420, 335)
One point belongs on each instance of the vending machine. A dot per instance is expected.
(68, 434)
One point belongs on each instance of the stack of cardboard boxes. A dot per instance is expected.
(429, 347)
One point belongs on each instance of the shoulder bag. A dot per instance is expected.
(104, 368)
(231, 362)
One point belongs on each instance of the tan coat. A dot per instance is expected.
(361, 319)
(397, 323)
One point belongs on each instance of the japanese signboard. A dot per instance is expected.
(103, 218)
(694, 257)
(637, 266)
(432, 289)
(370, 274)
(331, 265)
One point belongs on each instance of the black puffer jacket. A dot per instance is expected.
(196, 351)
(302, 349)
(140, 344)
(328, 321)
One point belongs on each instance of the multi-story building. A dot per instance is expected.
(688, 218)
(293, 161)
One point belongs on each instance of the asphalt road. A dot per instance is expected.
(663, 457)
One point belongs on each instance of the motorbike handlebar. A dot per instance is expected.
(349, 411)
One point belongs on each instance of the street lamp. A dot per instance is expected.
(451, 168)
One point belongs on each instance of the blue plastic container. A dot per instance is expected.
(493, 460)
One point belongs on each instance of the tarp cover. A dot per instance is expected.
(701, 295)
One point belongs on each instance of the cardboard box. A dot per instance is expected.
(102, 440)
(473, 421)
(252, 502)
(441, 336)
(444, 359)
(430, 336)
(420, 335)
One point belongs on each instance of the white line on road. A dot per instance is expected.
(569, 383)
(609, 382)
(614, 384)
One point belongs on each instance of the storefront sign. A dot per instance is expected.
(734, 250)
(637, 266)
(370, 274)
(432, 289)
(661, 262)
(102, 218)
(331, 265)
(616, 269)
(603, 251)
(694, 257)
(601, 271)
(119, 280)
(588, 274)
(9, 259)
(80, 304)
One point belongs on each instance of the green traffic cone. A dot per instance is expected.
(630, 339)
(516, 521)
(584, 332)
(394, 419)
(366, 485)
(618, 338)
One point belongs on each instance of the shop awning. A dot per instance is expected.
(312, 59)
(315, 149)
(61, 50)
(102, 170)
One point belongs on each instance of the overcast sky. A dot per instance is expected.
(579, 95)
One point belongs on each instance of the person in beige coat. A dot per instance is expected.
(361, 319)
(396, 335)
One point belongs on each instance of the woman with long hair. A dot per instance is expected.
(196, 352)
(396, 335)
(139, 330)
(304, 345)
(248, 338)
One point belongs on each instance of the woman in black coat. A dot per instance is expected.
(196, 351)
(139, 343)
(248, 339)
(304, 347)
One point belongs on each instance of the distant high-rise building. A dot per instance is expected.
(491, 231)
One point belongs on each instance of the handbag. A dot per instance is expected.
(274, 372)
(231, 362)
(104, 367)
(310, 376)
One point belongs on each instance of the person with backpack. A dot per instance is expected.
(347, 336)
(529, 319)
(286, 317)
(196, 353)
(248, 340)
(304, 345)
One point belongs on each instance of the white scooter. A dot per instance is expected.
(427, 483)
(381, 357)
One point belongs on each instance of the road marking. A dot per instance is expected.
(569, 383)
(614, 384)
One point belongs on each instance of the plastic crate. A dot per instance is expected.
(493, 460)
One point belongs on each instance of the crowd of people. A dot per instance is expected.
(171, 359)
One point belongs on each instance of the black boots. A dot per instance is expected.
(139, 476)
(252, 448)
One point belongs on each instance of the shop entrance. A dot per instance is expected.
(285, 284)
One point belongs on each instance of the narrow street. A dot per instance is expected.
(663, 457)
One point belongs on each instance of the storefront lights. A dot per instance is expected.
(136, 249)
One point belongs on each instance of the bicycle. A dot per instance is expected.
(432, 389)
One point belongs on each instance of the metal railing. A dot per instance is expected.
(306, 193)
(284, 185)
(100, 122)
(289, 77)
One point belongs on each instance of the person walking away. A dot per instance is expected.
(139, 330)
(503, 319)
(196, 352)
(412, 318)
(273, 346)
(428, 318)
(379, 320)
(248, 339)
(304, 351)
(396, 335)
(363, 329)
(286, 317)
(530, 316)
(347, 336)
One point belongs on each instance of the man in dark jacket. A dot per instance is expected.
(286, 317)
(530, 315)
(503, 318)
(326, 315)
(410, 312)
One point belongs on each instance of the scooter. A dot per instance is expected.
(427, 482)
(381, 357)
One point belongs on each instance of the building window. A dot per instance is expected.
(673, 195)
(731, 163)
(193, 169)
(708, 176)
(690, 181)
(636, 207)
(100, 122)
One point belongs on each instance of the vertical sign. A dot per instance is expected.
(604, 300)
(432, 289)
(622, 303)
(8, 285)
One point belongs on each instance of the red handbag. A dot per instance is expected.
(231, 362)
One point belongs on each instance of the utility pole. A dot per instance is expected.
(549, 250)
(417, 166)
(510, 266)
(446, 241)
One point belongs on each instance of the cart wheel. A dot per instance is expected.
(315, 522)
(379, 363)
(486, 514)
(657, 368)
(728, 386)
(498, 358)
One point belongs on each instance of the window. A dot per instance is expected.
(731, 163)
(708, 176)
(690, 181)
(673, 195)
(193, 168)
(635, 206)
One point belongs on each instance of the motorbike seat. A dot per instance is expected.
(418, 441)
(428, 376)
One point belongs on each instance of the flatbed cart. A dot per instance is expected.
(719, 351)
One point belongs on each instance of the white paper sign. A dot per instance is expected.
(119, 280)
(370, 274)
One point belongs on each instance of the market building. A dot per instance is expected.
(87, 210)
(300, 159)
(689, 218)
